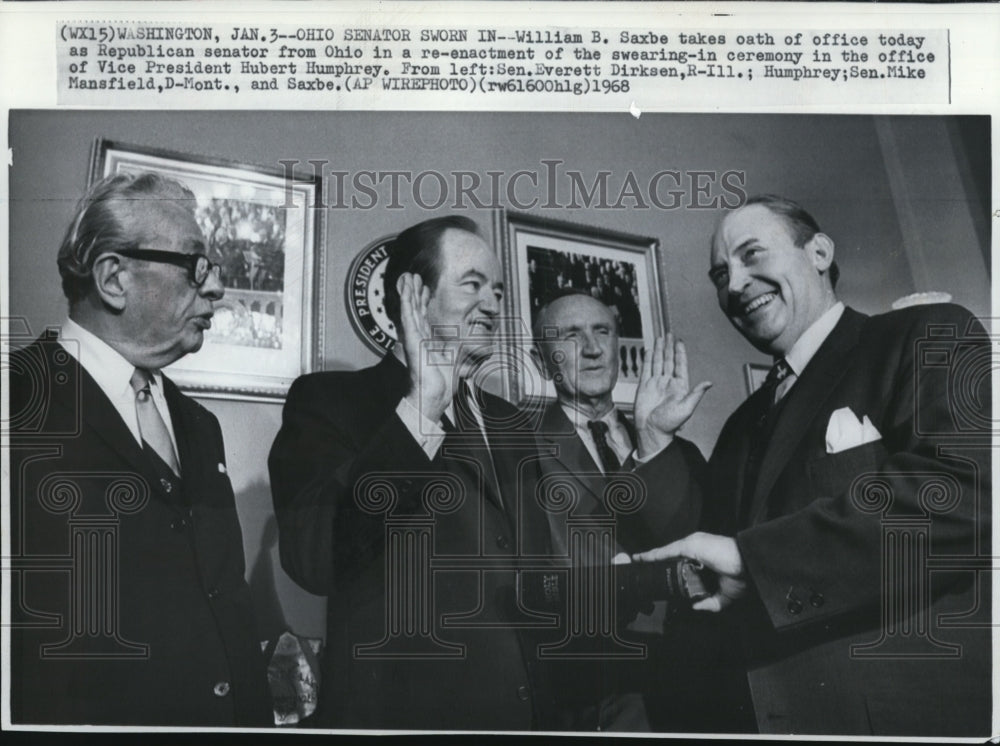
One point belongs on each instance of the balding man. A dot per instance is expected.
(588, 442)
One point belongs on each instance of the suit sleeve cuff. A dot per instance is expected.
(654, 454)
(428, 435)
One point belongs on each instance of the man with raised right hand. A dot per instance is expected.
(379, 473)
(589, 445)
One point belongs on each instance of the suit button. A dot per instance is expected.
(795, 606)
(816, 600)
(214, 593)
(523, 693)
(167, 486)
(502, 542)
(179, 525)
(221, 689)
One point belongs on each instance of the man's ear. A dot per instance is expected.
(107, 281)
(536, 355)
(820, 248)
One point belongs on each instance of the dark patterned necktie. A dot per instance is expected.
(609, 461)
(778, 373)
(761, 437)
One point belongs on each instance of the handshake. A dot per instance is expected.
(678, 580)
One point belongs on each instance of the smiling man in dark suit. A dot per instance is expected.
(404, 492)
(131, 606)
(862, 461)
(586, 441)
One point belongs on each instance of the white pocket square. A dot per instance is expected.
(846, 431)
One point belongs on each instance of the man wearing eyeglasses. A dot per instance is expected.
(141, 615)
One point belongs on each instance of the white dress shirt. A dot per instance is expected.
(113, 374)
(430, 435)
(618, 437)
(807, 345)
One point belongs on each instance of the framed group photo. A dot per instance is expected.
(262, 228)
(543, 257)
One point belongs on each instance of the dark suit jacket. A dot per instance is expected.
(822, 533)
(672, 504)
(175, 641)
(670, 509)
(345, 474)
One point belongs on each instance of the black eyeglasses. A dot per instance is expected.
(198, 265)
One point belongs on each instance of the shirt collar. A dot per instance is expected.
(580, 420)
(104, 363)
(813, 338)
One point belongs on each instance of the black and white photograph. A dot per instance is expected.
(319, 518)
(591, 371)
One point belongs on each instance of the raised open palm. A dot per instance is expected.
(431, 371)
(664, 399)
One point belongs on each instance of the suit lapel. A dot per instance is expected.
(494, 458)
(394, 384)
(95, 409)
(633, 438)
(740, 455)
(191, 452)
(570, 451)
(629, 428)
(395, 379)
(805, 398)
(559, 442)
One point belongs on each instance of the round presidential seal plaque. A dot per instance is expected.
(365, 297)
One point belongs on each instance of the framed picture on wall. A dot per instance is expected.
(261, 227)
(543, 256)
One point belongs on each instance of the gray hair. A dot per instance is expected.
(97, 227)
